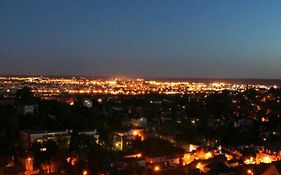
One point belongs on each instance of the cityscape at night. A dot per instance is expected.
(78, 125)
(140, 87)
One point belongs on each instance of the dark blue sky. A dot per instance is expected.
(159, 38)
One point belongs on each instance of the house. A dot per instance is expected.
(139, 122)
(27, 108)
(245, 122)
(171, 159)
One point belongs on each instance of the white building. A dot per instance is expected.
(28, 137)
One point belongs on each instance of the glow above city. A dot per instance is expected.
(47, 86)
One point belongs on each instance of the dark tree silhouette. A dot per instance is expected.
(25, 95)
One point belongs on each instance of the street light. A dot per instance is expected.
(85, 172)
(250, 172)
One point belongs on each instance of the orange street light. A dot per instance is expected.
(156, 168)
(85, 172)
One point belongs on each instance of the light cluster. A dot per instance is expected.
(51, 86)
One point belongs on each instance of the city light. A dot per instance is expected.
(156, 168)
(208, 155)
(250, 172)
(200, 166)
(122, 86)
(167, 87)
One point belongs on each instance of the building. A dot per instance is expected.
(88, 103)
(123, 140)
(28, 137)
(27, 109)
(139, 122)
(175, 158)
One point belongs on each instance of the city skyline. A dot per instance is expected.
(185, 39)
(140, 87)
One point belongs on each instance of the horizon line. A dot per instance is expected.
(134, 77)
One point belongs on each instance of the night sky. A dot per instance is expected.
(143, 38)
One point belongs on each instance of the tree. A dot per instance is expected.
(219, 104)
(45, 152)
(52, 148)
(95, 155)
(12, 127)
(25, 95)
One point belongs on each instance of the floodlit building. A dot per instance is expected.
(124, 140)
